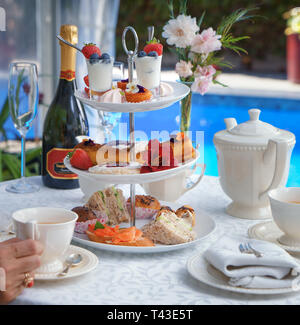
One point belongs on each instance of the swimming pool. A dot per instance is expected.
(208, 113)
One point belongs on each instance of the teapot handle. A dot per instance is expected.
(280, 163)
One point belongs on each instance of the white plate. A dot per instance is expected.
(89, 263)
(132, 178)
(204, 226)
(201, 270)
(180, 91)
(269, 231)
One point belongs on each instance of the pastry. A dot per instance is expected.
(119, 169)
(87, 216)
(91, 148)
(187, 213)
(146, 206)
(112, 96)
(168, 229)
(122, 84)
(131, 236)
(111, 203)
(117, 153)
(165, 89)
(182, 147)
(135, 93)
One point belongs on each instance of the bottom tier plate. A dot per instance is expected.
(205, 225)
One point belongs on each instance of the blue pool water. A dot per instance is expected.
(208, 113)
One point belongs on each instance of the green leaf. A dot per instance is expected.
(12, 163)
(201, 19)
(98, 225)
(33, 154)
(171, 9)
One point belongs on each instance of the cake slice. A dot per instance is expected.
(110, 202)
(168, 229)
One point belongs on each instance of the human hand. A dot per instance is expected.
(18, 257)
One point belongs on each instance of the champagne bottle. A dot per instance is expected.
(65, 120)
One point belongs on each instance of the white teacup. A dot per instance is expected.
(286, 213)
(53, 227)
(173, 188)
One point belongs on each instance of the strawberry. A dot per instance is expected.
(90, 49)
(86, 80)
(80, 159)
(87, 90)
(154, 45)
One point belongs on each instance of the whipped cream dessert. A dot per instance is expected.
(100, 72)
(148, 70)
(122, 168)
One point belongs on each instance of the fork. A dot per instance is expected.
(248, 249)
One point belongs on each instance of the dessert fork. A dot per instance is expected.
(248, 249)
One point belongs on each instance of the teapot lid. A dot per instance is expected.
(254, 127)
(253, 131)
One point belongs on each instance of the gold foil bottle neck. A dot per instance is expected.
(69, 33)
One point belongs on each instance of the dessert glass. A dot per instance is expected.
(100, 76)
(148, 70)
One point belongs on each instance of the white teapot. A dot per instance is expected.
(253, 158)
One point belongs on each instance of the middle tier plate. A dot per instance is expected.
(132, 178)
(180, 91)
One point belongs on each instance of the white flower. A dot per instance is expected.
(206, 42)
(184, 69)
(180, 31)
(132, 87)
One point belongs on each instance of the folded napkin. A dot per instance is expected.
(275, 269)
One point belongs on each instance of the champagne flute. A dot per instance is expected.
(108, 120)
(23, 100)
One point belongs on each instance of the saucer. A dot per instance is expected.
(202, 271)
(89, 263)
(269, 231)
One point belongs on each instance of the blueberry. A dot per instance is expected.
(153, 53)
(94, 58)
(105, 56)
(141, 54)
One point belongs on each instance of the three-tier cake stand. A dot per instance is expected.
(180, 91)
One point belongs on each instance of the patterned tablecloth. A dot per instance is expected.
(148, 279)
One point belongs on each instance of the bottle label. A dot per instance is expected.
(68, 75)
(55, 164)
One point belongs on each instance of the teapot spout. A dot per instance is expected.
(230, 123)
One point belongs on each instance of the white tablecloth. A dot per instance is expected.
(147, 279)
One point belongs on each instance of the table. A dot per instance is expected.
(129, 279)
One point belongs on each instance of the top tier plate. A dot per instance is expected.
(180, 91)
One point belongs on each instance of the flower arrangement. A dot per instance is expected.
(293, 21)
(197, 50)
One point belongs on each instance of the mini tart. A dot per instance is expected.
(122, 84)
(91, 148)
(138, 97)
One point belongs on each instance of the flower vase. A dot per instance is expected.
(185, 110)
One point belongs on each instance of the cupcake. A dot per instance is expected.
(87, 216)
(146, 206)
(135, 93)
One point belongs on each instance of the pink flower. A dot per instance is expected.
(201, 85)
(184, 69)
(206, 42)
(207, 71)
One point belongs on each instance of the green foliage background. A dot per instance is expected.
(267, 32)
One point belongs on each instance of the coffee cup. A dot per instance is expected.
(172, 188)
(285, 207)
(53, 227)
